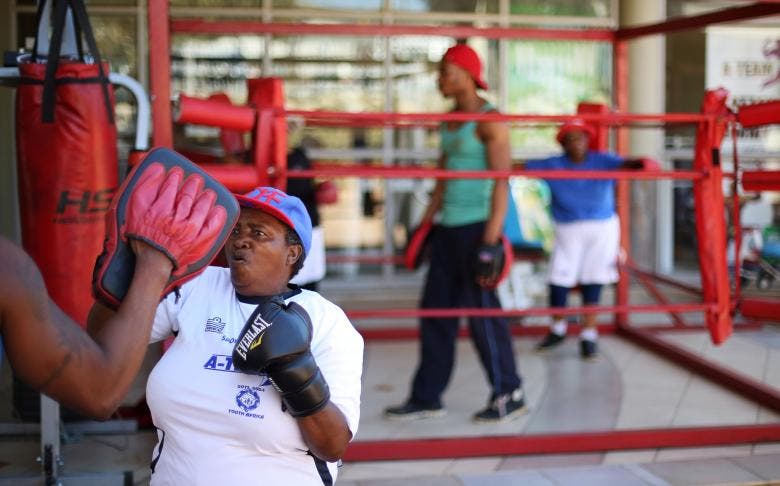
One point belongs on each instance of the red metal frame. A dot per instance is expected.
(160, 72)
(651, 288)
(760, 309)
(747, 12)
(761, 180)
(749, 388)
(194, 26)
(622, 198)
(663, 279)
(355, 170)
(160, 27)
(411, 333)
(595, 441)
(618, 118)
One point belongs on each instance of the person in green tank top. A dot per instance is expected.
(471, 219)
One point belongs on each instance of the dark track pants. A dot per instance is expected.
(450, 284)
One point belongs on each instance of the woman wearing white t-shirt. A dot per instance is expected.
(288, 416)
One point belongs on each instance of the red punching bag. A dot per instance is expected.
(66, 159)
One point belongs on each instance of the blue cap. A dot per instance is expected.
(284, 207)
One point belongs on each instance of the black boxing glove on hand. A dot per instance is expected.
(276, 340)
(489, 261)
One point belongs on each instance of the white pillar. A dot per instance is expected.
(652, 235)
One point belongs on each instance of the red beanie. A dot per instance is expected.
(465, 57)
(574, 126)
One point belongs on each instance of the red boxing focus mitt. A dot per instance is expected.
(326, 192)
(649, 164)
(418, 246)
(174, 206)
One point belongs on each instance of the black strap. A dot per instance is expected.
(81, 26)
(257, 300)
(80, 12)
(322, 469)
(59, 81)
(52, 62)
(153, 465)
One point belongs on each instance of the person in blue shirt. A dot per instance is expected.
(587, 230)
(471, 219)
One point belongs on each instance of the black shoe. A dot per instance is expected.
(550, 341)
(414, 411)
(589, 349)
(503, 408)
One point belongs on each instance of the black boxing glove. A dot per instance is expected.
(276, 340)
(489, 262)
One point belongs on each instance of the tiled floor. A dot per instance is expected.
(626, 388)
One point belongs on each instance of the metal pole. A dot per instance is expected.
(160, 72)
(50, 440)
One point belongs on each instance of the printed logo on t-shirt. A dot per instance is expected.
(247, 399)
(215, 324)
(220, 362)
(224, 362)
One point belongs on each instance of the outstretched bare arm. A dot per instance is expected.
(51, 353)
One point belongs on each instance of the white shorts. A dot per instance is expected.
(314, 266)
(585, 252)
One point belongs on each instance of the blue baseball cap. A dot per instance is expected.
(284, 207)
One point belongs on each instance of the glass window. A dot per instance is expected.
(572, 8)
(202, 65)
(88, 2)
(552, 78)
(110, 2)
(337, 73)
(678, 8)
(464, 6)
(216, 3)
(330, 4)
(116, 39)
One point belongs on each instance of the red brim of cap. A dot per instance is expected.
(574, 128)
(481, 84)
(248, 202)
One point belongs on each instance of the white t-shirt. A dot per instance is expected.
(220, 426)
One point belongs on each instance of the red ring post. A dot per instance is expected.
(710, 219)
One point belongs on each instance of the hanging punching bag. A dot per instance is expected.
(66, 157)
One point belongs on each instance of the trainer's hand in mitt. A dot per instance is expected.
(275, 340)
(175, 207)
(492, 263)
(646, 163)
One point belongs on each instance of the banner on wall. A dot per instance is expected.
(746, 61)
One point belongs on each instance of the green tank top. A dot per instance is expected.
(465, 201)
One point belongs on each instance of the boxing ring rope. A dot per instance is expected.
(644, 337)
(161, 27)
(533, 311)
(746, 387)
(358, 170)
(736, 222)
(191, 110)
